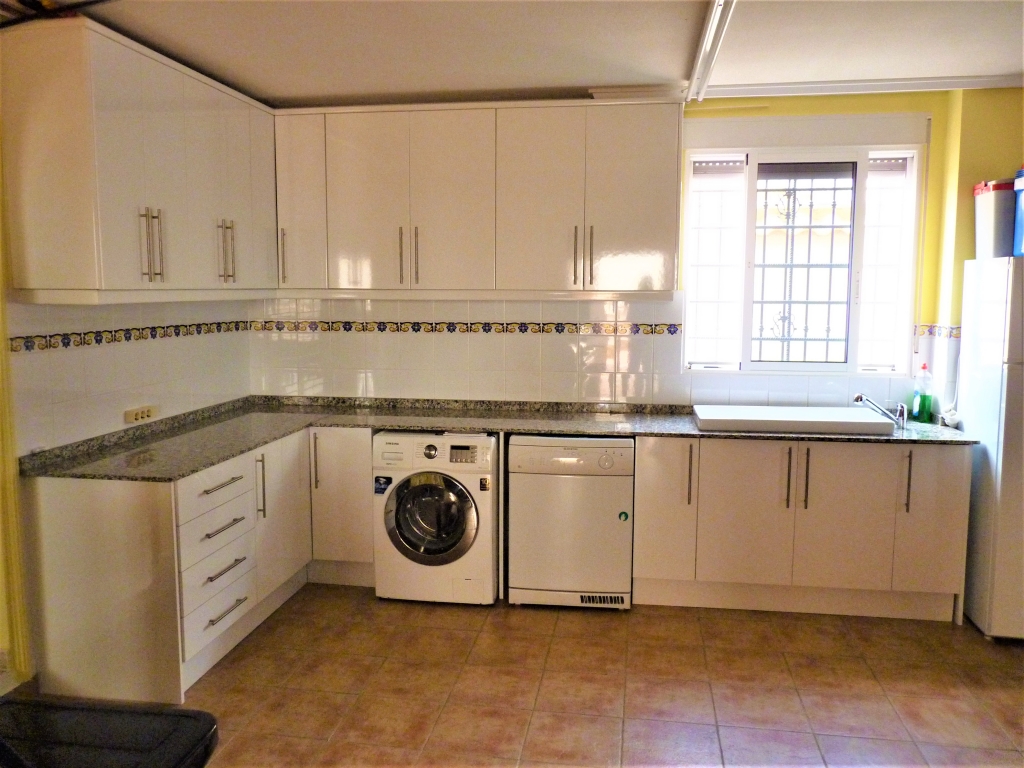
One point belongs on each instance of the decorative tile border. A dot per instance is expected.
(96, 338)
(939, 331)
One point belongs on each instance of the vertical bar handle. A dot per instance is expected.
(316, 461)
(158, 217)
(689, 479)
(284, 258)
(401, 257)
(575, 253)
(234, 276)
(910, 475)
(222, 252)
(591, 255)
(261, 508)
(147, 270)
(416, 252)
(807, 477)
(789, 474)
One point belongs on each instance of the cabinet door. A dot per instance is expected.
(259, 267)
(746, 511)
(301, 200)
(845, 515)
(205, 150)
(541, 175)
(452, 198)
(632, 209)
(931, 519)
(665, 508)
(283, 542)
(237, 200)
(342, 494)
(368, 236)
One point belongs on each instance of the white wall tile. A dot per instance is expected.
(636, 311)
(670, 311)
(828, 390)
(747, 389)
(597, 311)
(787, 390)
(451, 311)
(634, 354)
(559, 386)
(671, 388)
(522, 312)
(382, 310)
(522, 384)
(347, 383)
(487, 385)
(486, 311)
(668, 353)
(901, 390)
(422, 311)
(559, 352)
(348, 349)
(634, 388)
(522, 352)
(416, 350)
(709, 388)
(486, 352)
(597, 354)
(451, 352)
(597, 387)
(560, 311)
(875, 387)
(347, 309)
(452, 385)
(382, 351)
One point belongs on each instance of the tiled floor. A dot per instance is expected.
(337, 677)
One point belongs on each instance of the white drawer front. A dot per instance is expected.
(218, 613)
(203, 536)
(212, 574)
(212, 487)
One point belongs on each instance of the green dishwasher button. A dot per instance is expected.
(623, 516)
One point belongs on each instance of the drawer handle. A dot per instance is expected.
(225, 484)
(219, 619)
(223, 528)
(238, 562)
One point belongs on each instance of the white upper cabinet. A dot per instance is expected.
(369, 241)
(451, 198)
(541, 178)
(632, 204)
(301, 200)
(259, 268)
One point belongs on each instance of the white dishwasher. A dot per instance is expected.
(570, 521)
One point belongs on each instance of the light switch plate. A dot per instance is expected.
(140, 414)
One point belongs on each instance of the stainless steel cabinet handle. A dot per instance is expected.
(225, 484)
(910, 475)
(147, 271)
(261, 508)
(316, 461)
(789, 474)
(807, 477)
(219, 619)
(575, 250)
(222, 252)
(231, 227)
(401, 257)
(591, 255)
(689, 479)
(284, 259)
(158, 217)
(416, 252)
(218, 574)
(223, 528)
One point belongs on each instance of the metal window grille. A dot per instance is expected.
(803, 255)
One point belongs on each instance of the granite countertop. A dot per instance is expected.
(173, 448)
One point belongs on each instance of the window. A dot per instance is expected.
(800, 263)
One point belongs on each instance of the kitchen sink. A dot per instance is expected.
(772, 418)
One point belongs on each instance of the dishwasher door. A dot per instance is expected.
(571, 533)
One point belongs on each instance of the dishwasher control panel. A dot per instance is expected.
(570, 456)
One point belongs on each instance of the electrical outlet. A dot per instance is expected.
(140, 414)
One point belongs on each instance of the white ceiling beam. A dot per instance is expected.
(715, 23)
(839, 87)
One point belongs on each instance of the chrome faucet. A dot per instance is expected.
(900, 419)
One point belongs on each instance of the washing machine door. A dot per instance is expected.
(431, 518)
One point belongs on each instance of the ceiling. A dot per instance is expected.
(336, 52)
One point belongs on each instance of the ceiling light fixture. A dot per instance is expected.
(707, 52)
(14, 12)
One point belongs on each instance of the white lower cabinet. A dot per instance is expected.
(342, 480)
(746, 511)
(665, 508)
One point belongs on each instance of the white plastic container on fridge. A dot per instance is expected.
(994, 212)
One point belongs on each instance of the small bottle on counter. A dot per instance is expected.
(921, 408)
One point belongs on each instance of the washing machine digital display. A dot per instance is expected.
(462, 454)
(431, 518)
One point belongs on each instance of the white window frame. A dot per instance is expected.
(850, 153)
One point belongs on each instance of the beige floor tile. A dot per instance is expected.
(233, 706)
(812, 637)
(870, 717)
(938, 680)
(596, 654)
(957, 757)
(464, 617)
(339, 673)
(729, 665)
(739, 633)
(952, 722)
(657, 629)
(257, 750)
(683, 662)
(390, 722)
(573, 739)
(491, 731)
(432, 682)
(754, 747)
(588, 623)
(507, 649)
(847, 752)
(836, 674)
(445, 758)
(581, 693)
(889, 639)
(434, 646)
(497, 686)
(661, 698)
(366, 639)
(752, 706)
(265, 667)
(661, 743)
(344, 753)
(1009, 713)
(303, 714)
(522, 619)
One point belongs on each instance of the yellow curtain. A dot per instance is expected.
(13, 614)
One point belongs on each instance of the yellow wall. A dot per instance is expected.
(972, 133)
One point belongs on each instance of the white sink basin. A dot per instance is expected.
(770, 418)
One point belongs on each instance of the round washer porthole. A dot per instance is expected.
(431, 518)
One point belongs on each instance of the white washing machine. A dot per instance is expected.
(435, 532)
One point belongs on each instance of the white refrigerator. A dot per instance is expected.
(991, 406)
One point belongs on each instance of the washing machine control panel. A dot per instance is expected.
(392, 450)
